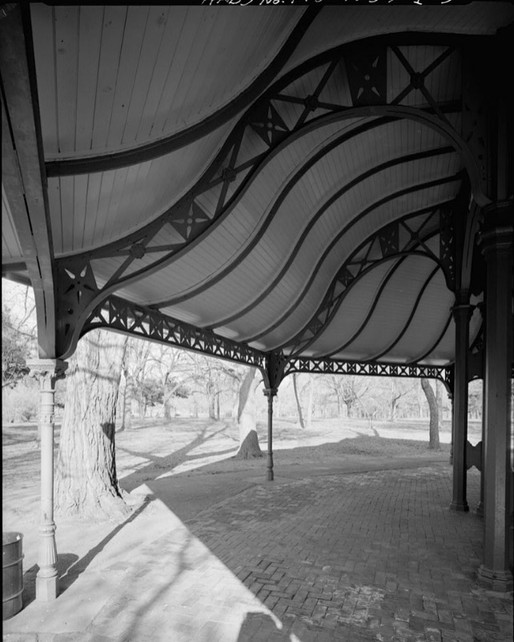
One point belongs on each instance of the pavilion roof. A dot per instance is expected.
(289, 179)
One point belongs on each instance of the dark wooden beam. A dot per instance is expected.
(23, 171)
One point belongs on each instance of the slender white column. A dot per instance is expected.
(47, 371)
(270, 393)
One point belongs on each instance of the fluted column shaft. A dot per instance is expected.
(47, 371)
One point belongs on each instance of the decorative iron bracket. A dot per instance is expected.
(273, 372)
(116, 314)
(335, 366)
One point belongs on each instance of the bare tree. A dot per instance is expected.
(397, 390)
(19, 335)
(211, 374)
(174, 368)
(352, 389)
(135, 366)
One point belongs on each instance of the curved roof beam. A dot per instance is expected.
(143, 153)
(236, 259)
(376, 300)
(134, 245)
(229, 151)
(292, 182)
(317, 216)
(436, 343)
(332, 301)
(415, 307)
(337, 238)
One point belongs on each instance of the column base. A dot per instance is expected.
(46, 588)
(459, 506)
(499, 581)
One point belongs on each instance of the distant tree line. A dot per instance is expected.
(114, 380)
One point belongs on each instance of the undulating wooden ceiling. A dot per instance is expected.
(288, 178)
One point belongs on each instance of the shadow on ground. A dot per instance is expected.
(69, 566)
(159, 465)
(186, 493)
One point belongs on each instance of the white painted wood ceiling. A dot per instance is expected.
(114, 79)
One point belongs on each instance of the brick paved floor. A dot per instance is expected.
(339, 557)
(374, 556)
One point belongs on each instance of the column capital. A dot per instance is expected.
(270, 392)
(54, 368)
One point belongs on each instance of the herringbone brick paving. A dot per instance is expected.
(356, 557)
(374, 556)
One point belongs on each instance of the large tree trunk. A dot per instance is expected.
(434, 414)
(248, 439)
(86, 480)
(298, 404)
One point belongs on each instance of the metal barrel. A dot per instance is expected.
(12, 572)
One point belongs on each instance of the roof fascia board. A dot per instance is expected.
(23, 167)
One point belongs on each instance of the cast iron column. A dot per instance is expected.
(497, 246)
(47, 371)
(461, 313)
(270, 393)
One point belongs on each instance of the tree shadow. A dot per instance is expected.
(350, 453)
(262, 627)
(132, 629)
(11, 434)
(69, 566)
(157, 464)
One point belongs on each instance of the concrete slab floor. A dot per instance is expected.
(318, 555)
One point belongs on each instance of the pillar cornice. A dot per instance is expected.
(498, 227)
(54, 368)
(270, 392)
